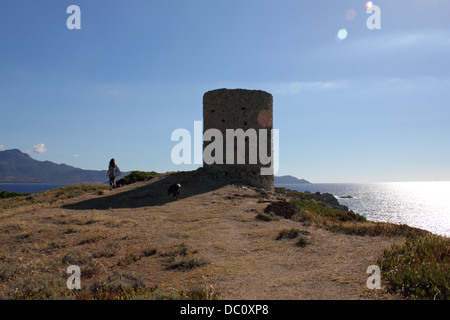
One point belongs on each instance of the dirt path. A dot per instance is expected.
(243, 258)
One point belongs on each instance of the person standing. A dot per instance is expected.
(113, 172)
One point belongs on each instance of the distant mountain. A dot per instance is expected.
(289, 180)
(19, 167)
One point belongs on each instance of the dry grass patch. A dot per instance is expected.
(134, 255)
(300, 235)
(180, 257)
(92, 237)
(47, 198)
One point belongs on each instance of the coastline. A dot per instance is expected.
(418, 204)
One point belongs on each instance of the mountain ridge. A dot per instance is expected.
(19, 167)
(289, 180)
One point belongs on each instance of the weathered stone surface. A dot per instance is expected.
(240, 109)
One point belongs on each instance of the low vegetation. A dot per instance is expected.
(7, 194)
(267, 216)
(299, 235)
(135, 255)
(137, 176)
(180, 257)
(324, 214)
(117, 285)
(50, 197)
(419, 269)
(312, 212)
(288, 234)
(373, 229)
(109, 251)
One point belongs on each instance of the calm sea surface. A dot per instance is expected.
(424, 205)
(29, 187)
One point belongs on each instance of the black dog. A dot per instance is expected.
(174, 190)
(120, 183)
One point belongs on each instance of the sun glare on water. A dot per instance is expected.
(425, 204)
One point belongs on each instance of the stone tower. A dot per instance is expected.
(234, 109)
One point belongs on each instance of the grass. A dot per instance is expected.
(135, 255)
(117, 285)
(377, 229)
(38, 249)
(419, 269)
(91, 238)
(324, 213)
(39, 287)
(302, 242)
(180, 257)
(50, 197)
(89, 267)
(201, 293)
(263, 216)
(7, 194)
(293, 233)
(288, 234)
(124, 285)
(107, 245)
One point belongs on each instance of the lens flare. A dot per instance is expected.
(265, 119)
(342, 34)
(350, 14)
(369, 4)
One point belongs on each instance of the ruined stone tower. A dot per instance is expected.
(240, 109)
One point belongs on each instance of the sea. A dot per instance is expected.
(425, 205)
(28, 187)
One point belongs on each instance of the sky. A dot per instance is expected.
(370, 106)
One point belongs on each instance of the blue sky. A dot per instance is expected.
(372, 107)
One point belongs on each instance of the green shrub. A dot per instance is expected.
(419, 269)
(327, 212)
(136, 176)
(377, 229)
(7, 194)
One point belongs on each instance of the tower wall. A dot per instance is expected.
(240, 109)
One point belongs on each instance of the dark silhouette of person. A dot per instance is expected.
(113, 172)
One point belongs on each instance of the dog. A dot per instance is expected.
(120, 183)
(174, 190)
